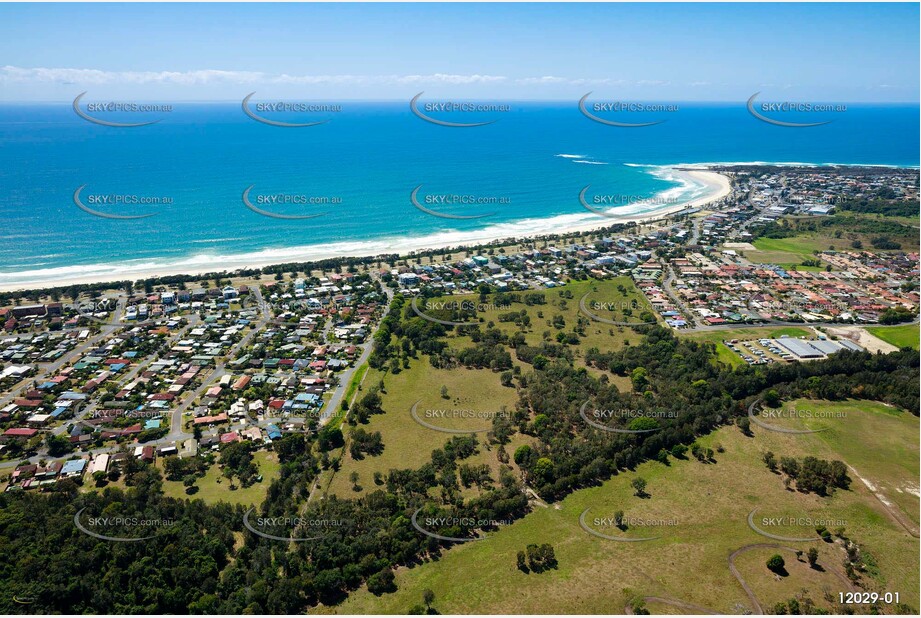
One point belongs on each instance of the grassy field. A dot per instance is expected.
(790, 250)
(407, 444)
(726, 355)
(901, 336)
(879, 441)
(708, 504)
(849, 227)
(213, 487)
(597, 334)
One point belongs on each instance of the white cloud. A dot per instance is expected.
(213, 76)
(91, 77)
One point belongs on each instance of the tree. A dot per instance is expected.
(639, 486)
(744, 425)
(58, 445)
(428, 597)
(772, 398)
(770, 461)
(523, 455)
(789, 466)
(381, 582)
(329, 438)
(543, 468)
(639, 379)
(776, 564)
(522, 562)
(541, 557)
(812, 556)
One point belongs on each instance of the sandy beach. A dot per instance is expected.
(717, 187)
(714, 186)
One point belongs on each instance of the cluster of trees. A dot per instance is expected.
(678, 377)
(882, 206)
(536, 558)
(186, 469)
(529, 354)
(812, 475)
(362, 442)
(884, 232)
(479, 475)
(485, 355)
(364, 408)
(885, 243)
(180, 281)
(519, 318)
(796, 606)
(59, 569)
(896, 315)
(237, 461)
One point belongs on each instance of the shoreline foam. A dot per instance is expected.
(709, 186)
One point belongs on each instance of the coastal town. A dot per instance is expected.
(93, 380)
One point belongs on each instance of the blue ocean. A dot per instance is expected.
(365, 162)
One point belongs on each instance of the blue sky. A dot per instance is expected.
(676, 52)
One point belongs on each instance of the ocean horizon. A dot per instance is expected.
(519, 176)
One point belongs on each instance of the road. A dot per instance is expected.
(670, 292)
(48, 369)
(176, 431)
(336, 400)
